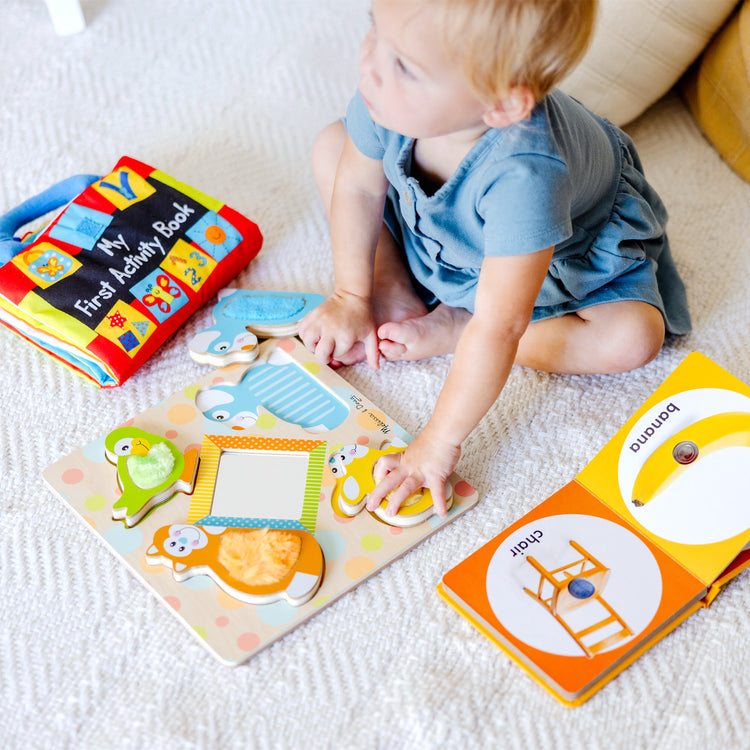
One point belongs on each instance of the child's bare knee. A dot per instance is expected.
(637, 355)
(637, 340)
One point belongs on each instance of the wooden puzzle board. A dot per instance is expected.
(353, 548)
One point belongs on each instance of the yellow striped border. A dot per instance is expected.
(203, 494)
(213, 446)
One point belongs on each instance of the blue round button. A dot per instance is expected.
(581, 588)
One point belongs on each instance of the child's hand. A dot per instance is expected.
(333, 329)
(427, 462)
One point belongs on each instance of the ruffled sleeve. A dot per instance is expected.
(367, 136)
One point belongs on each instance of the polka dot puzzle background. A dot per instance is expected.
(353, 548)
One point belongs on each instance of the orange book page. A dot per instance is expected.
(637, 588)
(697, 512)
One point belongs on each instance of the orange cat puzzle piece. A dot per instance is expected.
(192, 550)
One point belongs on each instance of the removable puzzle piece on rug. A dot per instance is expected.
(282, 387)
(240, 316)
(258, 566)
(150, 471)
(258, 546)
(353, 467)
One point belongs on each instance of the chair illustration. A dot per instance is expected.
(575, 585)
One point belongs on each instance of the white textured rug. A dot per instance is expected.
(227, 96)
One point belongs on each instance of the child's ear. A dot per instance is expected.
(513, 108)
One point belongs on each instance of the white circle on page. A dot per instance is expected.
(633, 589)
(708, 501)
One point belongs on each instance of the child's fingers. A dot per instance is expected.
(309, 331)
(372, 350)
(437, 490)
(408, 486)
(394, 481)
(385, 465)
(344, 345)
(323, 350)
(383, 485)
(376, 496)
(303, 326)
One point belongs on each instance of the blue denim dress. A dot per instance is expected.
(564, 178)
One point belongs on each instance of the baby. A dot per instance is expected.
(477, 210)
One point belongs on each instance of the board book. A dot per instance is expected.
(646, 534)
(267, 452)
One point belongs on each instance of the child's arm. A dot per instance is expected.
(506, 292)
(334, 327)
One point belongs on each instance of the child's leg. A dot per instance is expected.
(394, 298)
(606, 338)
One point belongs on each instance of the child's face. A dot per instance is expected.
(407, 80)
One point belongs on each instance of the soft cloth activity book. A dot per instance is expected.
(647, 533)
(124, 264)
(239, 501)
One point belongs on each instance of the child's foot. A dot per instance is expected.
(397, 303)
(428, 335)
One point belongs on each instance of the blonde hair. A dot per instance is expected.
(508, 43)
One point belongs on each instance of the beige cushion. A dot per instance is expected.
(718, 91)
(639, 51)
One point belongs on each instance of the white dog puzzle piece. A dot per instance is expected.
(241, 316)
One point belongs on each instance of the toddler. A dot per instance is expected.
(477, 210)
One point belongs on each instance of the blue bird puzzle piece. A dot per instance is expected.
(281, 386)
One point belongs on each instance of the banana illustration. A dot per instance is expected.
(675, 455)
